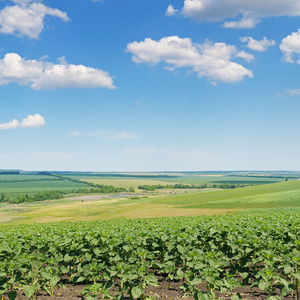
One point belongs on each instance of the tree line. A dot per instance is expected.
(40, 196)
(52, 195)
(191, 186)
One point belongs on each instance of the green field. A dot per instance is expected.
(30, 187)
(135, 179)
(237, 256)
(284, 194)
(22, 177)
(229, 234)
(179, 203)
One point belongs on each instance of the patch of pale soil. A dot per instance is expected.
(89, 197)
(5, 218)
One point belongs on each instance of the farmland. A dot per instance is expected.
(240, 256)
(158, 203)
(208, 243)
(33, 183)
(135, 179)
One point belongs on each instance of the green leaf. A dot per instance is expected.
(108, 284)
(12, 295)
(201, 296)
(67, 258)
(284, 291)
(287, 269)
(29, 290)
(296, 275)
(236, 297)
(78, 279)
(263, 285)
(137, 291)
(195, 281)
(90, 297)
(273, 298)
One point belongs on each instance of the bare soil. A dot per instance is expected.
(72, 292)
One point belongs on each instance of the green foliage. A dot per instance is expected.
(222, 252)
(147, 187)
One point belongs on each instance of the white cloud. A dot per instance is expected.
(33, 121)
(292, 92)
(290, 47)
(244, 22)
(40, 74)
(245, 55)
(256, 45)
(10, 125)
(27, 18)
(249, 12)
(213, 61)
(171, 11)
(29, 122)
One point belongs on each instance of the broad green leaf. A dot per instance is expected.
(12, 295)
(263, 285)
(29, 290)
(136, 292)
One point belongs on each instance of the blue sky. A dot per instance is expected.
(149, 85)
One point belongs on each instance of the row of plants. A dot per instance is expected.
(98, 188)
(122, 257)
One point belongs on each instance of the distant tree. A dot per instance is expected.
(4, 197)
(131, 190)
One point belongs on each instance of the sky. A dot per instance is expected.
(151, 85)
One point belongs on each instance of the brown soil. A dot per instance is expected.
(72, 292)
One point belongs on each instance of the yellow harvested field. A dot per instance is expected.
(107, 209)
(127, 183)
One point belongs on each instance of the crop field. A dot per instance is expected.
(239, 243)
(179, 203)
(285, 194)
(30, 187)
(238, 256)
(135, 179)
(23, 177)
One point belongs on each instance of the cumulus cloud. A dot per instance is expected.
(171, 11)
(42, 75)
(29, 122)
(210, 60)
(26, 18)
(244, 22)
(10, 125)
(33, 121)
(246, 12)
(245, 55)
(256, 45)
(290, 47)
